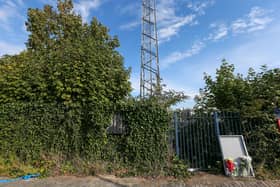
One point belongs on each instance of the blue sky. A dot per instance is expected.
(194, 35)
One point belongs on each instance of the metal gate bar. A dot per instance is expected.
(196, 135)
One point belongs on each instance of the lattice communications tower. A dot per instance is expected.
(150, 78)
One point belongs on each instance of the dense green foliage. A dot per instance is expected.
(66, 62)
(29, 130)
(254, 94)
(75, 76)
(32, 133)
(266, 150)
(145, 144)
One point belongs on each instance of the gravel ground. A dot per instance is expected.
(200, 180)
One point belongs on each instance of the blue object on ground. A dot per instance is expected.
(25, 177)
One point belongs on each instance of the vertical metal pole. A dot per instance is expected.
(150, 77)
(217, 132)
(216, 122)
(176, 134)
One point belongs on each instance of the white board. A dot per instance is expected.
(233, 146)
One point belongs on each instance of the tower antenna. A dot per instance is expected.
(150, 77)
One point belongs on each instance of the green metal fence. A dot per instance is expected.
(195, 137)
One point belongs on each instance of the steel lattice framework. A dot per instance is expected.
(150, 78)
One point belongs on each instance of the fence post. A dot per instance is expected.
(176, 133)
(216, 122)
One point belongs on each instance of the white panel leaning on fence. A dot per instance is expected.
(236, 159)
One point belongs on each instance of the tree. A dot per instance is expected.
(258, 92)
(74, 63)
(72, 66)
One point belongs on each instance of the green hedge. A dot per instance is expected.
(29, 131)
(145, 144)
(266, 150)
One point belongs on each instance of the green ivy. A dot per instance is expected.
(144, 145)
(266, 150)
(31, 130)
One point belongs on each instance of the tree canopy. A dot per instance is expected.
(257, 92)
(66, 61)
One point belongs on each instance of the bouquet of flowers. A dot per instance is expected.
(230, 167)
(245, 165)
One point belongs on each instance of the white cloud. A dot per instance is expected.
(220, 32)
(6, 48)
(166, 32)
(166, 12)
(177, 56)
(239, 25)
(257, 19)
(169, 21)
(200, 6)
(83, 7)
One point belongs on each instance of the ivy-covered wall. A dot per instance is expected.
(29, 131)
(145, 144)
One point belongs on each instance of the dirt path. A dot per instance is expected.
(200, 180)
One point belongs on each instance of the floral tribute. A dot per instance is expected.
(239, 168)
(230, 167)
(245, 165)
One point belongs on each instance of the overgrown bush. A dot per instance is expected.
(144, 145)
(29, 130)
(74, 140)
(266, 150)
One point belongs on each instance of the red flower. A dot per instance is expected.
(230, 165)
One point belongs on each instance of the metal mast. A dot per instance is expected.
(150, 78)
